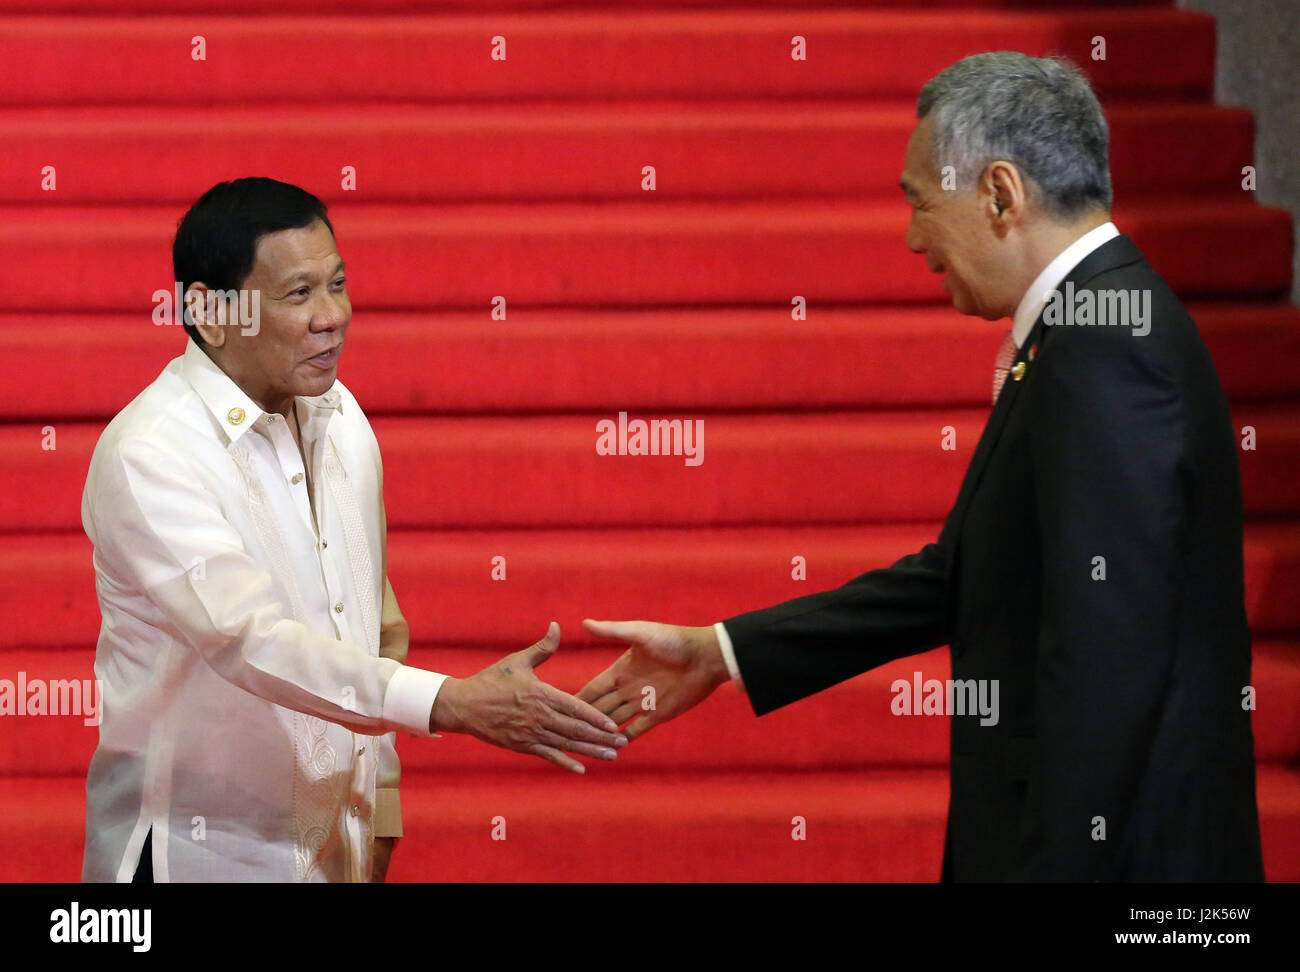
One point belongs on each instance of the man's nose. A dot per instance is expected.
(913, 237)
(335, 311)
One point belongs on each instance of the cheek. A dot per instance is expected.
(942, 243)
(281, 345)
(282, 330)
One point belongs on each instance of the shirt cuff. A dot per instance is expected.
(388, 812)
(728, 654)
(408, 702)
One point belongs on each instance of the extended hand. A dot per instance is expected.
(668, 670)
(508, 706)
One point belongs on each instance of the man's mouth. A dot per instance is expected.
(326, 359)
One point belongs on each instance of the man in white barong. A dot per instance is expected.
(252, 652)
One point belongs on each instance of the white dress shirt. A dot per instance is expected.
(251, 651)
(1040, 291)
(1022, 322)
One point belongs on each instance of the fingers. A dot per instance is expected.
(638, 632)
(537, 654)
(594, 690)
(603, 683)
(566, 704)
(625, 710)
(558, 758)
(594, 750)
(578, 731)
(608, 702)
(649, 639)
(640, 726)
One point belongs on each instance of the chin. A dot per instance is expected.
(965, 304)
(317, 384)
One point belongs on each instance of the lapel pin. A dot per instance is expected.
(1018, 371)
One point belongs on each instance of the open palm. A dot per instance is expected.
(667, 670)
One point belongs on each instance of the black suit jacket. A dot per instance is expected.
(1120, 699)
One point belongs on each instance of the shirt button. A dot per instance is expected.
(297, 478)
(338, 608)
(355, 810)
(361, 751)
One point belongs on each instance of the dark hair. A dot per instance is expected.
(216, 241)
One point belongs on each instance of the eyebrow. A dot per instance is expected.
(303, 275)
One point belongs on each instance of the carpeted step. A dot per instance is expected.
(647, 253)
(880, 825)
(91, 365)
(850, 726)
(702, 470)
(615, 825)
(443, 580)
(556, 151)
(577, 54)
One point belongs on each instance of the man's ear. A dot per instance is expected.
(1007, 197)
(198, 306)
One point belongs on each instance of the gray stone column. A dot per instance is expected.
(1258, 67)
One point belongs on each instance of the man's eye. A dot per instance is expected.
(340, 282)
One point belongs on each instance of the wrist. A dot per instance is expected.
(708, 654)
(445, 715)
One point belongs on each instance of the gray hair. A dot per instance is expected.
(1038, 113)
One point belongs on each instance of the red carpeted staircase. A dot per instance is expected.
(522, 178)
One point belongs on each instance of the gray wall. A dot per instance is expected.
(1258, 67)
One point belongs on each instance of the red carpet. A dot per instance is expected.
(522, 178)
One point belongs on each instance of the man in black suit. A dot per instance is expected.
(1091, 567)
